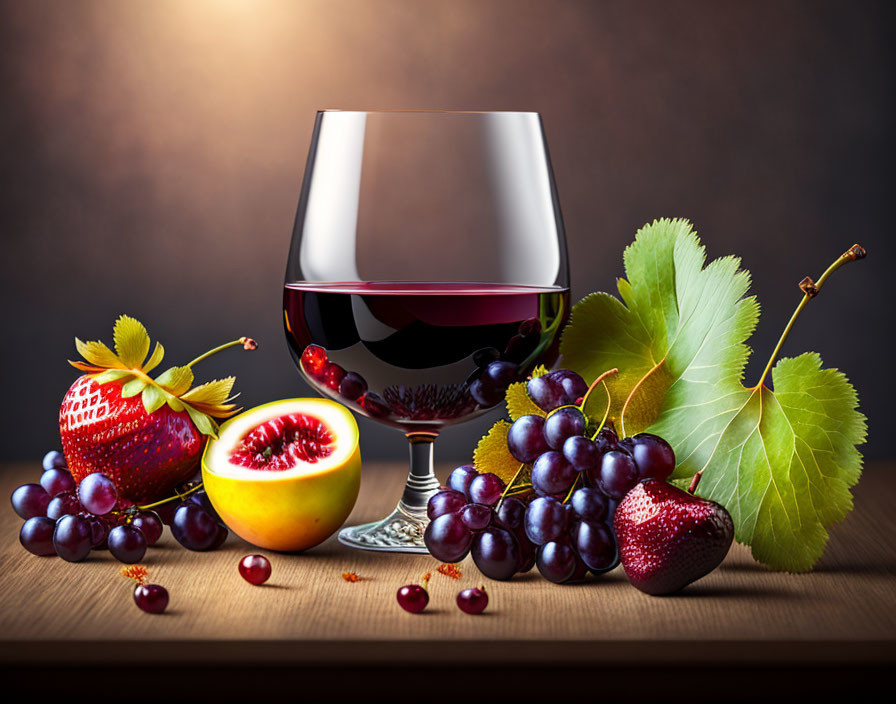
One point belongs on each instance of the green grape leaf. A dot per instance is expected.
(781, 462)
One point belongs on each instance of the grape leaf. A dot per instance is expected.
(781, 462)
(518, 402)
(492, 455)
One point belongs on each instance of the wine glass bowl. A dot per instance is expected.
(427, 272)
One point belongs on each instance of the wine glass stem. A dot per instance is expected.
(422, 482)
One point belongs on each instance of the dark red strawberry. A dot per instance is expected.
(145, 434)
(669, 538)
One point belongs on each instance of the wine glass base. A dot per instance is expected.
(402, 531)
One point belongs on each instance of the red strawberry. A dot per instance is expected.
(145, 434)
(669, 538)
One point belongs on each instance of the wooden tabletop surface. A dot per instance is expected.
(845, 611)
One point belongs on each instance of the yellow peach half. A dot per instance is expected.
(269, 487)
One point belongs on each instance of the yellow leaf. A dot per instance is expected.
(176, 380)
(157, 354)
(492, 455)
(131, 341)
(518, 402)
(98, 354)
(212, 393)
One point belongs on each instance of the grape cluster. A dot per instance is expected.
(564, 524)
(69, 520)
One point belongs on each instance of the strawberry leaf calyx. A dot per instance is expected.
(129, 364)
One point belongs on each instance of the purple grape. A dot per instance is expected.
(496, 553)
(412, 598)
(595, 544)
(581, 453)
(98, 533)
(72, 538)
(525, 439)
(447, 538)
(512, 513)
(606, 440)
(573, 385)
(556, 561)
(54, 460)
(562, 424)
(546, 393)
(484, 391)
(56, 481)
(476, 516)
(194, 527)
(30, 501)
(200, 498)
(546, 520)
(579, 573)
(221, 534)
(151, 598)
(502, 374)
(589, 504)
(36, 535)
(150, 524)
(445, 501)
(460, 479)
(352, 386)
(552, 474)
(486, 489)
(97, 493)
(527, 551)
(654, 457)
(126, 544)
(618, 473)
(63, 505)
(472, 601)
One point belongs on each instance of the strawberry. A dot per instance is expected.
(145, 434)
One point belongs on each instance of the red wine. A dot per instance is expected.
(419, 356)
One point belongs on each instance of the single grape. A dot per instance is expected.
(472, 601)
(618, 473)
(573, 385)
(486, 489)
(447, 538)
(445, 501)
(546, 520)
(30, 500)
(589, 504)
(255, 569)
(221, 534)
(581, 453)
(97, 493)
(502, 374)
(653, 455)
(527, 551)
(606, 440)
(72, 538)
(36, 535)
(352, 386)
(476, 516)
(314, 360)
(99, 532)
(412, 598)
(151, 598)
(546, 393)
(333, 375)
(150, 524)
(562, 424)
(512, 513)
(556, 561)
(201, 499)
(595, 544)
(460, 479)
(54, 460)
(56, 481)
(126, 544)
(166, 511)
(496, 553)
(525, 439)
(194, 527)
(552, 474)
(484, 391)
(65, 504)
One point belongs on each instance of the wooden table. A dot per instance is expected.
(743, 629)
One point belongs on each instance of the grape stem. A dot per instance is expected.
(810, 289)
(509, 487)
(247, 343)
(177, 495)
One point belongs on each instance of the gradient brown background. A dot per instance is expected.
(152, 154)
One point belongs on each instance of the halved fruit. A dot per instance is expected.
(285, 475)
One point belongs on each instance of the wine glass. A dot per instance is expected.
(427, 272)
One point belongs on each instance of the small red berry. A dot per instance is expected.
(314, 358)
(412, 598)
(472, 601)
(333, 376)
(152, 598)
(255, 569)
